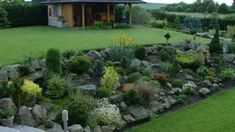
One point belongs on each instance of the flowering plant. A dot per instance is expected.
(189, 88)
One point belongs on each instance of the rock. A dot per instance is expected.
(129, 118)
(48, 124)
(7, 129)
(88, 89)
(35, 76)
(39, 114)
(139, 113)
(106, 129)
(37, 64)
(215, 85)
(189, 77)
(166, 105)
(94, 55)
(171, 100)
(115, 99)
(13, 71)
(56, 128)
(23, 128)
(156, 107)
(169, 85)
(123, 106)
(97, 129)
(229, 58)
(25, 116)
(204, 91)
(48, 106)
(75, 128)
(87, 129)
(207, 83)
(7, 103)
(3, 76)
(155, 68)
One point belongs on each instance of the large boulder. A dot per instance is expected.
(3, 76)
(107, 129)
(56, 128)
(13, 71)
(155, 68)
(75, 128)
(97, 129)
(25, 116)
(139, 113)
(204, 91)
(23, 128)
(88, 89)
(115, 99)
(94, 55)
(7, 129)
(39, 114)
(35, 76)
(229, 58)
(7, 103)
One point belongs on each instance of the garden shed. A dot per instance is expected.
(81, 13)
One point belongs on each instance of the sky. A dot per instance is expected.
(228, 2)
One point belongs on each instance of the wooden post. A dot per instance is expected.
(130, 14)
(83, 16)
(108, 12)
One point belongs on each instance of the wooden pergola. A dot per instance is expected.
(75, 11)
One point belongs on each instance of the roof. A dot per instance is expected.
(93, 1)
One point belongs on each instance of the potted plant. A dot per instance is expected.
(6, 117)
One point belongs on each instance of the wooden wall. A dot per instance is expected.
(67, 11)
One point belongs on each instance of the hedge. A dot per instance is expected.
(26, 15)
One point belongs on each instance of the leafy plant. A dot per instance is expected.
(189, 88)
(133, 77)
(202, 71)
(53, 61)
(4, 23)
(57, 87)
(215, 46)
(147, 72)
(167, 54)
(98, 67)
(131, 97)
(160, 78)
(188, 61)
(135, 65)
(6, 113)
(140, 52)
(158, 23)
(228, 74)
(117, 52)
(177, 83)
(110, 79)
(79, 64)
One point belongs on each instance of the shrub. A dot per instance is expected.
(210, 78)
(135, 65)
(121, 25)
(158, 23)
(167, 37)
(232, 48)
(98, 67)
(110, 79)
(228, 74)
(3, 18)
(106, 114)
(56, 87)
(103, 25)
(140, 16)
(202, 71)
(189, 88)
(215, 46)
(167, 54)
(6, 113)
(117, 52)
(124, 40)
(131, 97)
(133, 77)
(188, 61)
(124, 62)
(160, 78)
(79, 64)
(102, 92)
(177, 83)
(147, 72)
(80, 106)
(146, 90)
(167, 67)
(182, 99)
(30, 91)
(140, 52)
(53, 61)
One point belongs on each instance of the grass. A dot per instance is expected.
(15, 43)
(151, 6)
(215, 114)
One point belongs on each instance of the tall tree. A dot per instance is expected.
(215, 47)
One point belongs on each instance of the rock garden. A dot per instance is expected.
(112, 89)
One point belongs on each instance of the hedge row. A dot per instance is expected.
(205, 21)
(26, 15)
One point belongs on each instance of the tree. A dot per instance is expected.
(53, 61)
(223, 8)
(140, 16)
(3, 18)
(215, 47)
(231, 31)
(167, 36)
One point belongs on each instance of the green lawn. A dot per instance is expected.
(215, 114)
(15, 43)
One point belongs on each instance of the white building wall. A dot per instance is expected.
(54, 16)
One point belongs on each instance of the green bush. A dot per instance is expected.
(98, 67)
(202, 71)
(147, 72)
(53, 61)
(3, 18)
(177, 83)
(228, 74)
(110, 79)
(117, 52)
(131, 97)
(103, 25)
(188, 61)
(135, 65)
(140, 52)
(133, 77)
(121, 25)
(6, 113)
(102, 92)
(140, 16)
(232, 48)
(167, 54)
(57, 87)
(79, 64)
(158, 23)
(125, 62)
(215, 46)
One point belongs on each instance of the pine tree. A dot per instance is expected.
(215, 47)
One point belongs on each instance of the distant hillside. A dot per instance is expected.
(152, 5)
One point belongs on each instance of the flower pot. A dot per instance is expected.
(7, 122)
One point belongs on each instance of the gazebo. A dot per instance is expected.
(82, 13)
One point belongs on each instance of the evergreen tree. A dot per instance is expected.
(215, 47)
(3, 18)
